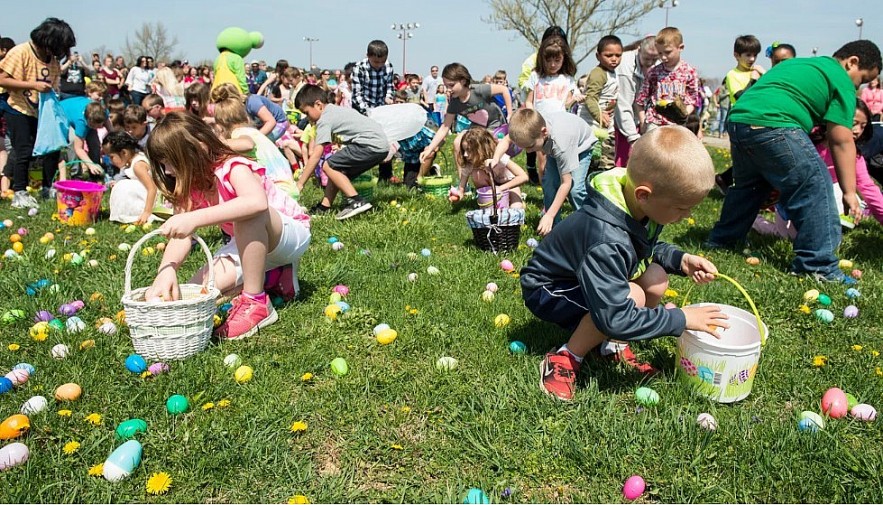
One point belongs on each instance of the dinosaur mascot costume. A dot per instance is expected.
(234, 44)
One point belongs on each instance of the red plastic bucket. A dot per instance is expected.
(78, 201)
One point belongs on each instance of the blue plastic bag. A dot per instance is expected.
(52, 125)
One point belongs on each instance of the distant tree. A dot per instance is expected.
(102, 51)
(585, 21)
(152, 39)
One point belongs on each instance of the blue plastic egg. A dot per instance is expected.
(807, 425)
(135, 363)
(426, 253)
(122, 461)
(332, 240)
(849, 280)
(852, 293)
(532, 243)
(343, 306)
(26, 366)
(5, 385)
(476, 495)
(517, 347)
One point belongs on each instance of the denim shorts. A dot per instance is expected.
(561, 303)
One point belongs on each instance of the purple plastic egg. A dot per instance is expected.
(850, 311)
(78, 304)
(158, 368)
(43, 315)
(67, 310)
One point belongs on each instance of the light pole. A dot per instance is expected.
(815, 51)
(667, 6)
(405, 33)
(859, 22)
(311, 40)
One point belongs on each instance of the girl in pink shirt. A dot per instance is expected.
(872, 95)
(210, 184)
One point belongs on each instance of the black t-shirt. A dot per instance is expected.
(73, 81)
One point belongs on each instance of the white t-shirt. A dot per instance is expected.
(550, 93)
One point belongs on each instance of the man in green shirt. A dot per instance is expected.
(769, 137)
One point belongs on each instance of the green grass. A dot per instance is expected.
(396, 429)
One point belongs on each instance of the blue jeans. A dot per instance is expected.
(722, 114)
(784, 159)
(552, 180)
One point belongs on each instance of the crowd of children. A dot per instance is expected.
(238, 157)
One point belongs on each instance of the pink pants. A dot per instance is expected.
(623, 149)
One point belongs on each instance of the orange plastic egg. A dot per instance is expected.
(14, 426)
(68, 392)
(15, 237)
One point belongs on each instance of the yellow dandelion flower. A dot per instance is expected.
(878, 371)
(96, 470)
(298, 499)
(223, 403)
(159, 483)
(208, 406)
(407, 307)
(819, 361)
(71, 447)
(397, 447)
(670, 293)
(405, 221)
(691, 221)
(875, 353)
(306, 377)
(64, 413)
(406, 409)
(805, 309)
(94, 419)
(14, 347)
(414, 312)
(857, 347)
(145, 374)
(298, 427)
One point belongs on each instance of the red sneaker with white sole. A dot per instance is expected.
(558, 375)
(628, 358)
(246, 317)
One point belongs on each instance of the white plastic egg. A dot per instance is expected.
(60, 351)
(34, 405)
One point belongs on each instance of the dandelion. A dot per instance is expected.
(878, 371)
(94, 419)
(145, 374)
(298, 426)
(306, 377)
(223, 403)
(159, 483)
(96, 470)
(208, 406)
(413, 312)
(397, 447)
(857, 347)
(298, 499)
(64, 413)
(875, 353)
(805, 309)
(691, 221)
(14, 347)
(406, 409)
(670, 293)
(819, 361)
(71, 447)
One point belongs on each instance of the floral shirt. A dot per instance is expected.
(662, 84)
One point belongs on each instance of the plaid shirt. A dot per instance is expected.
(371, 87)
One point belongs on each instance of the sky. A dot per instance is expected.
(452, 30)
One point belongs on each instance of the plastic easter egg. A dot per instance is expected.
(337, 246)
(50, 253)
(177, 404)
(74, 324)
(56, 324)
(824, 299)
(18, 377)
(834, 403)
(446, 363)
(706, 421)
(331, 311)
(158, 368)
(412, 277)
(334, 298)
(43, 316)
(811, 295)
(824, 315)
(633, 487)
(67, 309)
(332, 240)
(243, 374)
(8, 223)
(845, 264)
(487, 296)
(232, 360)
(341, 290)
(33, 212)
(412, 256)
(26, 367)
(14, 426)
(60, 351)
(857, 274)
(12, 316)
(122, 461)
(517, 347)
(10, 254)
(343, 306)
(507, 266)
(431, 270)
(812, 418)
(5, 385)
(863, 412)
(13, 454)
(108, 328)
(476, 496)
(124, 247)
(18, 247)
(426, 252)
(92, 263)
(135, 363)
(387, 336)
(850, 312)
(502, 320)
(34, 405)
(646, 397)
(90, 231)
(807, 424)
(68, 392)
(15, 237)
(752, 260)
(77, 259)
(128, 429)
(532, 243)
(339, 367)
(852, 293)
(379, 328)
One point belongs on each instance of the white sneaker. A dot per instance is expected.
(22, 200)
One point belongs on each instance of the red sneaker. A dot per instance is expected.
(558, 375)
(282, 283)
(628, 358)
(246, 317)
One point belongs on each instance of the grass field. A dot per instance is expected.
(396, 429)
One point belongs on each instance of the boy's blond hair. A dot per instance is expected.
(526, 127)
(96, 86)
(670, 36)
(672, 161)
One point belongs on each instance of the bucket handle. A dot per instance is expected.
(738, 286)
(135, 248)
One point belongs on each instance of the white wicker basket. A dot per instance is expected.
(170, 330)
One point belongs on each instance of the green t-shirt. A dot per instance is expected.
(799, 93)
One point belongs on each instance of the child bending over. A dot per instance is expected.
(476, 155)
(133, 197)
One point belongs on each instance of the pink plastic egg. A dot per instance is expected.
(341, 289)
(634, 487)
(864, 412)
(834, 403)
(158, 368)
(13, 454)
(22, 231)
(857, 274)
(492, 287)
(18, 376)
(507, 266)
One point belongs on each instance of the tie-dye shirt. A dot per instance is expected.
(662, 84)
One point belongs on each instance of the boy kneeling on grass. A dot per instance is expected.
(602, 272)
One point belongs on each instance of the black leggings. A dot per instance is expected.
(22, 131)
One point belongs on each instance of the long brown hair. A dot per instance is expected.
(476, 146)
(188, 144)
(199, 92)
(553, 47)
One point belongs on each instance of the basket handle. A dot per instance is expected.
(150, 235)
(494, 217)
(747, 297)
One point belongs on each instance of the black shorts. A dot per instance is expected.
(559, 303)
(353, 159)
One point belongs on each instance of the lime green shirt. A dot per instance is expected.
(799, 93)
(737, 80)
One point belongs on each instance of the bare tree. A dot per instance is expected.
(101, 51)
(152, 39)
(585, 21)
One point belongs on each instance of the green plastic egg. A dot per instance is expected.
(339, 367)
(824, 315)
(824, 299)
(850, 401)
(128, 429)
(646, 397)
(177, 404)
(56, 324)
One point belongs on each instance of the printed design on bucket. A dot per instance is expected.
(78, 202)
(688, 367)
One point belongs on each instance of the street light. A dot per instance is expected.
(311, 40)
(405, 33)
(859, 22)
(671, 5)
(815, 51)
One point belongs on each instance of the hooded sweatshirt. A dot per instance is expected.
(601, 247)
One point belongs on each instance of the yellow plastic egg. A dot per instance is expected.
(243, 374)
(752, 260)
(811, 295)
(39, 331)
(18, 247)
(14, 426)
(501, 320)
(387, 336)
(68, 392)
(845, 264)
(331, 311)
